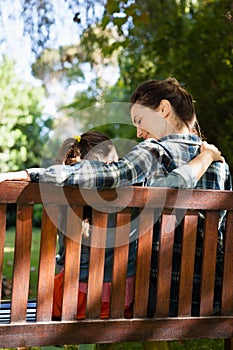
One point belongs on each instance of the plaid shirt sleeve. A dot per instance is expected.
(134, 168)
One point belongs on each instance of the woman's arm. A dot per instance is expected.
(208, 154)
(188, 175)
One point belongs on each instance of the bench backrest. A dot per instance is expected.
(169, 203)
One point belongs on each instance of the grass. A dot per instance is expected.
(204, 344)
(9, 257)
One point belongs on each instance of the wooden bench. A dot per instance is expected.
(19, 329)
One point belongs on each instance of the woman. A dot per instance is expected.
(172, 107)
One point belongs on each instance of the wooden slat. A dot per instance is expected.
(209, 262)
(47, 263)
(72, 262)
(21, 273)
(228, 344)
(2, 239)
(227, 288)
(96, 264)
(120, 263)
(187, 264)
(165, 264)
(146, 223)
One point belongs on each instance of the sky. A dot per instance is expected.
(65, 32)
(12, 31)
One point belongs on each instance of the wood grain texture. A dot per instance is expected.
(120, 263)
(187, 263)
(96, 264)
(47, 263)
(146, 223)
(73, 239)
(2, 239)
(21, 273)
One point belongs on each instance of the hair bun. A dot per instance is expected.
(173, 81)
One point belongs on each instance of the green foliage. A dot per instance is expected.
(100, 112)
(207, 71)
(192, 42)
(64, 64)
(22, 125)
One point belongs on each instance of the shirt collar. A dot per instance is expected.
(182, 138)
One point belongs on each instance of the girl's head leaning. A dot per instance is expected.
(92, 145)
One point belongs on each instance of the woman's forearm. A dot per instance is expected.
(202, 162)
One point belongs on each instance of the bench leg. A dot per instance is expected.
(228, 344)
(109, 346)
(156, 345)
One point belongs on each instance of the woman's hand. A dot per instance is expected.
(212, 151)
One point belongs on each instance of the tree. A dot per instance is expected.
(23, 127)
(194, 43)
(162, 38)
(191, 40)
(207, 71)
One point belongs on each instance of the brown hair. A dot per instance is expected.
(93, 145)
(151, 92)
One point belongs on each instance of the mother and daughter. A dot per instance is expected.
(171, 155)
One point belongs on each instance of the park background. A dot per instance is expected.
(60, 57)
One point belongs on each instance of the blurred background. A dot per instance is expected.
(60, 57)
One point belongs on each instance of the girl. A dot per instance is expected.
(91, 145)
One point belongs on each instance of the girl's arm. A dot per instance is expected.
(16, 175)
(112, 175)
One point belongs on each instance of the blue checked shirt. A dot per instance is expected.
(153, 163)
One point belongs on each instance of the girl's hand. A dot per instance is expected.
(85, 228)
(212, 151)
(17, 175)
(3, 177)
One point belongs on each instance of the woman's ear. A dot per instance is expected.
(165, 108)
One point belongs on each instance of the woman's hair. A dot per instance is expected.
(150, 94)
(92, 145)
